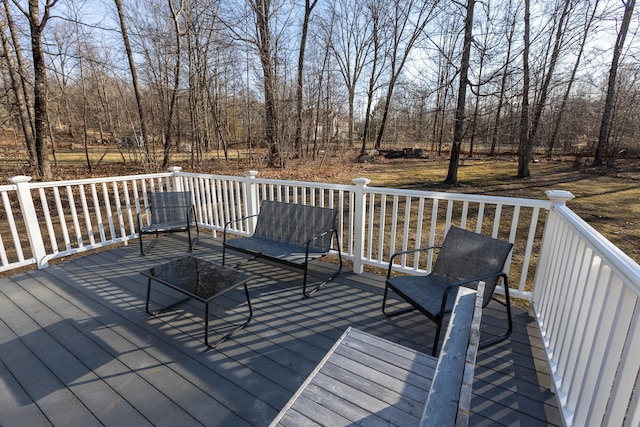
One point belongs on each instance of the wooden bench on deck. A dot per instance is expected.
(290, 234)
(368, 380)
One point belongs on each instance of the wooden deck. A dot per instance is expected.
(77, 347)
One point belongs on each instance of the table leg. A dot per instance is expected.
(224, 338)
(163, 309)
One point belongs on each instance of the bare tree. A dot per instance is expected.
(134, 79)
(452, 174)
(308, 8)
(544, 89)
(377, 62)
(511, 22)
(586, 32)
(408, 20)
(36, 27)
(176, 11)
(262, 10)
(350, 41)
(17, 75)
(524, 148)
(611, 86)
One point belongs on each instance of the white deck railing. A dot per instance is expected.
(585, 291)
(587, 301)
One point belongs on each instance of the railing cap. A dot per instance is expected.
(19, 178)
(250, 174)
(174, 169)
(361, 181)
(559, 196)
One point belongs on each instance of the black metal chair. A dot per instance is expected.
(169, 211)
(464, 259)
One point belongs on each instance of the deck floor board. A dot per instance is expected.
(78, 348)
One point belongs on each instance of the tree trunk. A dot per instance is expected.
(373, 77)
(36, 26)
(452, 174)
(262, 10)
(408, 25)
(175, 16)
(297, 142)
(503, 85)
(574, 72)
(524, 148)
(134, 78)
(17, 86)
(613, 72)
(544, 90)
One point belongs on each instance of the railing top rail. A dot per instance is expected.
(85, 181)
(7, 187)
(346, 187)
(460, 197)
(210, 176)
(620, 263)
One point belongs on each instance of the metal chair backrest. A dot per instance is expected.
(465, 255)
(170, 206)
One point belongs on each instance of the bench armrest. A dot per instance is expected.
(233, 221)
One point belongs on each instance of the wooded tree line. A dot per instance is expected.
(310, 77)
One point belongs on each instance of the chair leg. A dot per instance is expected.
(434, 351)
(506, 335)
(393, 313)
(141, 246)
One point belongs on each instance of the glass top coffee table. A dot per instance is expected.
(199, 280)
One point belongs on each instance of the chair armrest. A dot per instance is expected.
(475, 279)
(409, 251)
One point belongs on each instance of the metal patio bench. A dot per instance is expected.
(464, 259)
(290, 234)
(169, 211)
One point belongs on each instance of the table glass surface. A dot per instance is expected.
(198, 277)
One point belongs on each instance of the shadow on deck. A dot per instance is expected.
(78, 348)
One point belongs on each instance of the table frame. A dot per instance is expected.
(205, 301)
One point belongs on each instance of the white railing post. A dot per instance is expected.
(559, 196)
(359, 223)
(177, 182)
(252, 202)
(30, 218)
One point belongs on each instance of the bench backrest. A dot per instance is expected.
(170, 206)
(449, 399)
(295, 224)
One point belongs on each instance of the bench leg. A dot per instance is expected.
(333, 276)
(317, 288)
